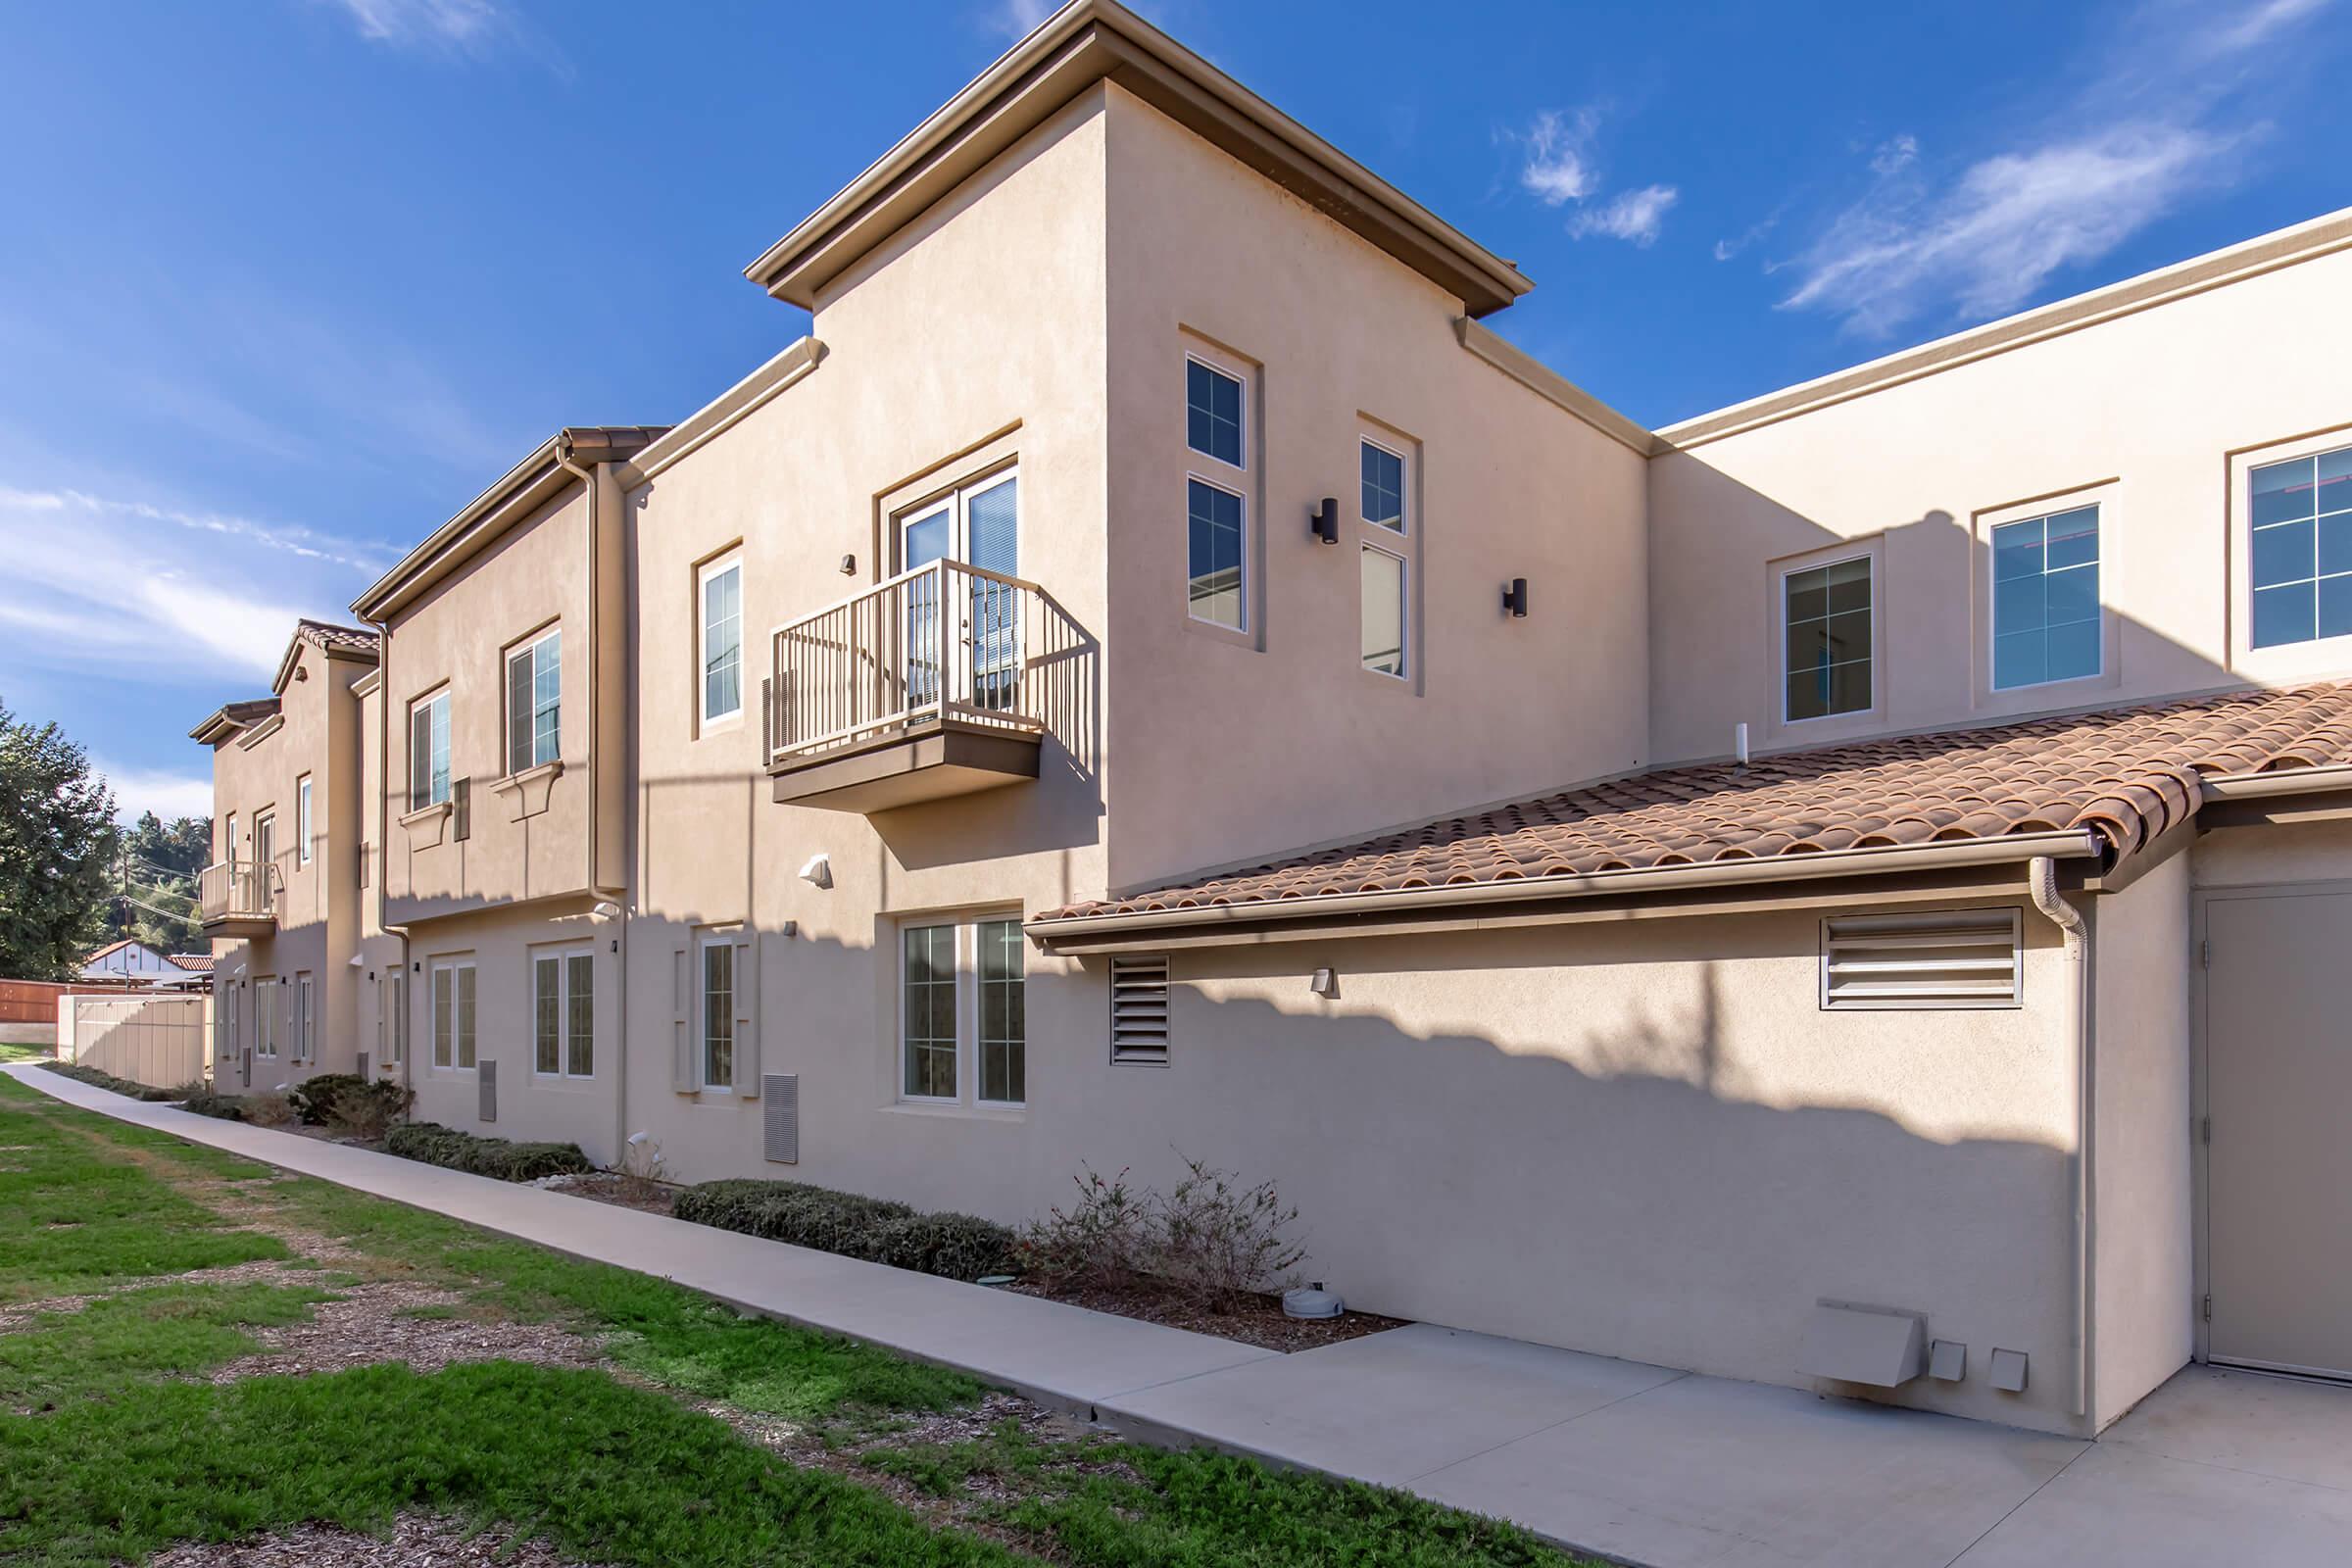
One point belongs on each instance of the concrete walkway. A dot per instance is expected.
(1639, 1463)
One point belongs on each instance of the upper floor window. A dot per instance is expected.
(1382, 585)
(302, 821)
(535, 704)
(1825, 618)
(2302, 548)
(429, 751)
(228, 837)
(1213, 412)
(265, 838)
(1214, 520)
(721, 603)
(1383, 486)
(2045, 599)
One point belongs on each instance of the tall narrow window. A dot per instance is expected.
(265, 841)
(1004, 1013)
(2045, 599)
(304, 1016)
(394, 1016)
(718, 1012)
(1214, 516)
(302, 819)
(429, 751)
(228, 837)
(466, 1056)
(2302, 548)
(535, 704)
(929, 1011)
(266, 991)
(722, 595)
(453, 1015)
(580, 1015)
(1384, 611)
(546, 1014)
(1213, 412)
(1827, 617)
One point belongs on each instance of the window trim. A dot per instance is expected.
(424, 704)
(561, 955)
(1782, 571)
(1193, 357)
(1993, 599)
(726, 939)
(302, 1016)
(264, 1024)
(965, 948)
(1404, 611)
(1242, 588)
(528, 648)
(728, 559)
(452, 965)
(302, 821)
(1405, 487)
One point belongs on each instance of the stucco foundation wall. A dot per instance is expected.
(2144, 1257)
(530, 1104)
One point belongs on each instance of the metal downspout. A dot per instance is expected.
(2041, 885)
(383, 849)
(596, 765)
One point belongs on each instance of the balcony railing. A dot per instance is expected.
(945, 642)
(237, 891)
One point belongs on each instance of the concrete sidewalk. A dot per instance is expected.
(1640, 1463)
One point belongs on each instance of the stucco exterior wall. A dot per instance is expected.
(1231, 746)
(2155, 416)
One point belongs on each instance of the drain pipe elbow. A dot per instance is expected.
(2041, 886)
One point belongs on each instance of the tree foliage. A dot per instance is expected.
(163, 863)
(58, 840)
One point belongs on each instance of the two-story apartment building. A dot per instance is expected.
(1151, 672)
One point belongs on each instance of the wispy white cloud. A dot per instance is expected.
(305, 542)
(1018, 19)
(2153, 125)
(449, 24)
(1635, 214)
(1725, 249)
(167, 794)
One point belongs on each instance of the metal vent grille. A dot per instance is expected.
(461, 809)
(1139, 1009)
(487, 1073)
(780, 1097)
(1948, 959)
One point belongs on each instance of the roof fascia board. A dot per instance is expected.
(514, 497)
(1547, 383)
(724, 411)
(1091, 41)
(2265, 253)
(262, 731)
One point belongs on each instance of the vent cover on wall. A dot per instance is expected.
(1943, 959)
(780, 1095)
(1139, 1008)
(461, 809)
(487, 1073)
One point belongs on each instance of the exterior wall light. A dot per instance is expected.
(1324, 522)
(1514, 599)
(818, 873)
(1326, 983)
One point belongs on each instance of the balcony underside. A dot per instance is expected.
(931, 761)
(238, 927)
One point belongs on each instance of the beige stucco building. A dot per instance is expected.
(1152, 673)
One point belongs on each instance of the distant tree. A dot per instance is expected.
(161, 864)
(58, 843)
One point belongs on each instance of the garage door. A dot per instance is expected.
(2278, 1172)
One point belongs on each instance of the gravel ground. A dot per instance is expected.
(425, 1327)
(417, 1541)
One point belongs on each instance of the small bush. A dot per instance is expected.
(370, 1111)
(436, 1144)
(1104, 1241)
(227, 1107)
(315, 1098)
(1210, 1240)
(268, 1109)
(878, 1230)
(108, 1080)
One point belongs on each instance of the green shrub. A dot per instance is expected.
(878, 1230)
(315, 1098)
(227, 1107)
(371, 1111)
(436, 1144)
(108, 1080)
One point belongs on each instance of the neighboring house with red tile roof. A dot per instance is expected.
(1787, 894)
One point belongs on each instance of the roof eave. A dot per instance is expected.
(1091, 41)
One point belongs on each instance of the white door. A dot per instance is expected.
(2279, 1168)
(978, 525)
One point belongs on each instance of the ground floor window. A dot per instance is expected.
(452, 1014)
(265, 1015)
(563, 1013)
(963, 998)
(392, 1018)
(304, 1016)
(718, 1011)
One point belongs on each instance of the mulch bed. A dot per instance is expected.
(621, 1191)
(1259, 1323)
(417, 1540)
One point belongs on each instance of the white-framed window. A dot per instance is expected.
(304, 1016)
(715, 1062)
(453, 985)
(2300, 549)
(429, 751)
(963, 1012)
(228, 837)
(1825, 630)
(266, 994)
(1384, 611)
(2045, 599)
(392, 1018)
(302, 821)
(265, 838)
(1213, 412)
(535, 702)
(564, 1012)
(1382, 490)
(1217, 550)
(718, 619)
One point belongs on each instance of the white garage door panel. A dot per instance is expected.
(2279, 1088)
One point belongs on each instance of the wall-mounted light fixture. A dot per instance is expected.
(605, 909)
(848, 565)
(1326, 983)
(1324, 522)
(818, 873)
(1514, 599)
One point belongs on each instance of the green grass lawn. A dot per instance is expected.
(15, 1052)
(112, 1444)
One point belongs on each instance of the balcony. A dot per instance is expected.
(919, 688)
(237, 899)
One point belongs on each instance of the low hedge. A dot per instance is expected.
(227, 1107)
(120, 1086)
(315, 1097)
(957, 1247)
(436, 1144)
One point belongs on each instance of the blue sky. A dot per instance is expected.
(283, 283)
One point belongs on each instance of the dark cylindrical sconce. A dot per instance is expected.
(1324, 522)
(1514, 599)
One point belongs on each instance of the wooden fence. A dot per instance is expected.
(159, 1040)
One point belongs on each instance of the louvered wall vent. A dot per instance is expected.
(1139, 1009)
(1944, 958)
(780, 1095)
(487, 1075)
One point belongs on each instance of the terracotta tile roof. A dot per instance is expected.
(2124, 774)
(336, 639)
(194, 962)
